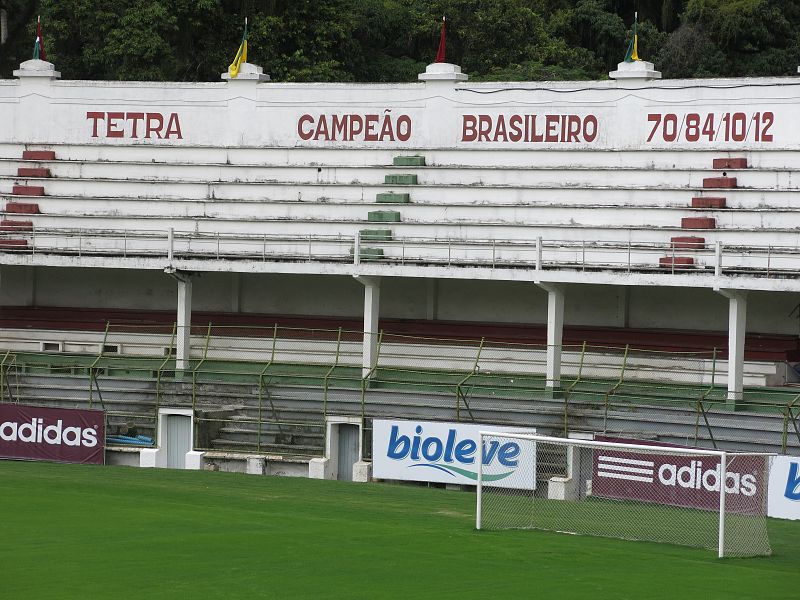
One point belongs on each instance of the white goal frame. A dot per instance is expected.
(677, 450)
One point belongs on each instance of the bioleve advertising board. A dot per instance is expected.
(784, 488)
(56, 434)
(448, 453)
(680, 480)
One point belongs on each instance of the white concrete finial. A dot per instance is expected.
(37, 68)
(639, 69)
(443, 72)
(247, 72)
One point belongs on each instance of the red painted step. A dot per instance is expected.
(730, 163)
(27, 190)
(698, 223)
(13, 244)
(33, 172)
(708, 202)
(38, 155)
(676, 261)
(688, 242)
(23, 208)
(719, 182)
(9, 225)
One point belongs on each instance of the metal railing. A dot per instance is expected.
(537, 253)
(263, 389)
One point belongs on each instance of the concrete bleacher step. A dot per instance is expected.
(33, 172)
(401, 179)
(698, 223)
(502, 226)
(688, 242)
(102, 173)
(376, 235)
(368, 254)
(730, 163)
(131, 179)
(13, 244)
(393, 198)
(383, 216)
(719, 182)
(11, 225)
(27, 190)
(22, 208)
(709, 202)
(408, 161)
(39, 155)
(243, 155)
(196, 199)
(280, 449)
(241, 217)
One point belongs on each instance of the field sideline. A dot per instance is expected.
(69, 531)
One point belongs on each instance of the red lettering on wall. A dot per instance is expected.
(121, 125)
(112, 123)
(302, 132)
(95, 116)
(134, 118)
(371, 122)
(469, 131)
(173, 127)
(155, 121)
(355, 128)
(529, 128)
(711, 127)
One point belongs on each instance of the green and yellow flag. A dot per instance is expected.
(241, 55)
(632, 54)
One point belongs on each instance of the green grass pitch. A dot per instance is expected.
(69, 531)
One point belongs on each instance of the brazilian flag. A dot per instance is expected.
(241, 54)
(632, 54)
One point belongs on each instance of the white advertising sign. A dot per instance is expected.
(448, 452)
(784, 488)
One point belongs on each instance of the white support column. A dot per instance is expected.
(737, 326)
(183, 334)
(555, 332)
(372, 303)
(431, 299)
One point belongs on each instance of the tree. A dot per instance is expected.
(393, 40)
(18, 47)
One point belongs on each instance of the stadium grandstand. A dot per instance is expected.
(245, 274)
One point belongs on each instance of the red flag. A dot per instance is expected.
(440, 53)
(38, 49)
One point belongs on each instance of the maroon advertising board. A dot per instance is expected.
(57, 434)
(679, 480)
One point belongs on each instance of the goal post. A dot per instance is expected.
(638, 491)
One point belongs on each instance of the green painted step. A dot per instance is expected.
(401, 179)
(382, 235)
(409, 161)
(393, 198)
(383, 216)
(369, 253)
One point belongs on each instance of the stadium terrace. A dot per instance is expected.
(251, 274)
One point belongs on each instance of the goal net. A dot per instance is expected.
(634, 491)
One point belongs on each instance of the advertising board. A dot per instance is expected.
(680, 480)
(784, 488)
(57, 434)
(447, 453)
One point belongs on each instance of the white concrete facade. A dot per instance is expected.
(602, 115)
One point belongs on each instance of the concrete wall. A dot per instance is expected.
(674, 114)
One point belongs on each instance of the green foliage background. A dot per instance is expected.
(393, 40)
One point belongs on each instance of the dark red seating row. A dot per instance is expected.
(768, 347)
